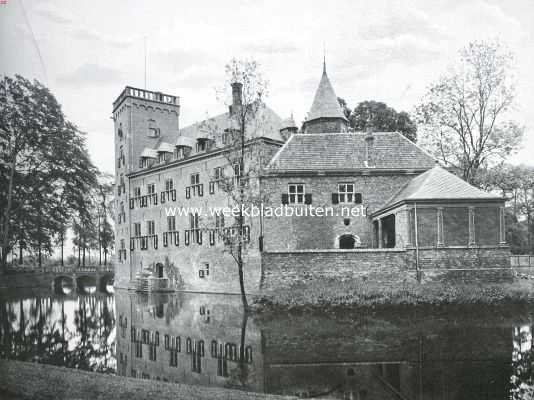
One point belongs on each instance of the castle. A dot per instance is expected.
(416, 219)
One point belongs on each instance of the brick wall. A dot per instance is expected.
(296, 269)
(296, 233)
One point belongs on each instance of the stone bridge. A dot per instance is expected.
(64, 280)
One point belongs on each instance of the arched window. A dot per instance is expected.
(346, 242)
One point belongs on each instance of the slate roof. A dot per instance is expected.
(439, 184)
(267, 124)
(149, 153)
(325, 104)
(346, 151)
(165, 147)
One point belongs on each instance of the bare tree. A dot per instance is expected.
(464, 116)
(239, 180)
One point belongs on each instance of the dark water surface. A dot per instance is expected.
(417, 353)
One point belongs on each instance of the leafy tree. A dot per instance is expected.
(381, 117)
(344, 107)
(517, 184)
(464, 117)
(43, 160)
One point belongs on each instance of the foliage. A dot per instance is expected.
(380, 117)
(464, 117)
(516, 183)
(44, 168)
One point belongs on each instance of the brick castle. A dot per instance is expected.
(416, 216)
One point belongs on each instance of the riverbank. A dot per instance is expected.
(23, 380)
(336, 294)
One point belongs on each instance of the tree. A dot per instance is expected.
(381, 118)
(344, 107)
(239, 180)
(464, 116)
(516, 183)
(42, 160)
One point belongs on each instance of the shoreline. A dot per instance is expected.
(53, 382)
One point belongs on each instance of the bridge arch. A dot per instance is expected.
(64, 284)
(106, 282)
(86, 284)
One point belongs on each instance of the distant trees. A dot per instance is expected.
(517, 184)
(45, 172)
(463, 118)
(380, 116)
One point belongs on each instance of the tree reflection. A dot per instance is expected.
(522, 379)
(44, 330)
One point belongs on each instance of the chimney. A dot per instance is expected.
(369, 153)
(237, 93)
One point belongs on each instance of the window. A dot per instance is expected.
(171, 223)
(151, 188)
(137, 229)
(137, 192)
(173, 361)
(153, 130)
(152, 352)
(169, 184)
(193, 221)
(346, 192)
(237, 170)
(119, 131)
(219, 220)
(151, 227)
(296, 193)
(217, 173)
(195, 179)
(201, 145)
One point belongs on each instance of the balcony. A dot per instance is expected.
(144, 201)
(194, 190)
(172, 237)
(192, 236)
(144, 242)
(168, 195)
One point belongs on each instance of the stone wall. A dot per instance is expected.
(296, 269)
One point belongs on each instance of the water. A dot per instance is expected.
(417, 353)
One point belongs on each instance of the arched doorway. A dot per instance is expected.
(347, 242)
(159, 270)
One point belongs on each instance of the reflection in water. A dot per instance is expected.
(72, 331)
(461, 353)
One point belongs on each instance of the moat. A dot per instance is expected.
(201, 339)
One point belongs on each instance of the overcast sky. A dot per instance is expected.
(375, 50)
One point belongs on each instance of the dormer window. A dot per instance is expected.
(202, 145)
(153, 130)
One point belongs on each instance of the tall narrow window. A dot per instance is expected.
(137, 191)
(153, 130)
(171, 223)
(195, 179)
(137, 229)
(151, 227)
(217, 173)
(151, 188)
(194, 221)
(169, 184)
(346, 192)
(219, 220)
(296, 193)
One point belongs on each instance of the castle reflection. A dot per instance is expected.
(412, 354)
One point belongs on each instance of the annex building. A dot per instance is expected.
(416, 218)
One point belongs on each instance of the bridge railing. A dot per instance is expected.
(66, 269)
(522, 261)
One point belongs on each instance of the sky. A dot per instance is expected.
(384, 50)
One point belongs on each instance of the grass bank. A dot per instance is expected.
(23, 380)
(369, 294)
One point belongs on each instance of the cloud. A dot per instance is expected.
(55, 16)
(91, 35)
(91, 74)
(266, 47)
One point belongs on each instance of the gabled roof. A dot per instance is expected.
(439, 184)
(347, 151)
(325, 103)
